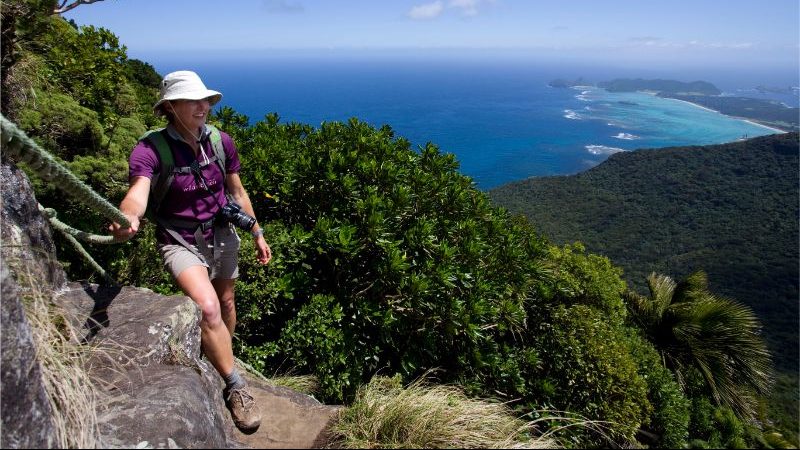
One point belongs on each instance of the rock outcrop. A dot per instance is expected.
(155, 389)
(28, 251)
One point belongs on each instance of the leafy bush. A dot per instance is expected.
(426, 273)
(586, 368)
(63, 126)
(88, 64)
(669, 420)
(387, 259)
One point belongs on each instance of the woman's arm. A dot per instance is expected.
(133, 206)
(233, 184)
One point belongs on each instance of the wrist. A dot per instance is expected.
(257, 233)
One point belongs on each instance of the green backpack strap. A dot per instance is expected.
(219, 149)
(158, 190)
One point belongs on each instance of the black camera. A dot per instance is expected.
(232, 213)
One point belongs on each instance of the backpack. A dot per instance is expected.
(159, 189)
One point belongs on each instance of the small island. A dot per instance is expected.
(660, 86)
(562, 83)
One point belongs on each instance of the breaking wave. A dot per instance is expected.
(603, 149)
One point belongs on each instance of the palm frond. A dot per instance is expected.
(693, 286)
(695, 329)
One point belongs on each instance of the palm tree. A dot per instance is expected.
(695, 329)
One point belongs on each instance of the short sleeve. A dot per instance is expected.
(143, 161)
(232, 163)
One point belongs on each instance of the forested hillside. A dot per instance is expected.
(730, 209)
(389, 261)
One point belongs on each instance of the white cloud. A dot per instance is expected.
(426, 11)
(467, 7)
(282, 6)
(645, 39)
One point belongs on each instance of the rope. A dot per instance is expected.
(71, 233)
(17, 144)
(50, 213)
(82, 251)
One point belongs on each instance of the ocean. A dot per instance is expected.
(500, 118)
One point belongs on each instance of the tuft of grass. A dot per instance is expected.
(62, 359)
(305, 384)
(385, 414)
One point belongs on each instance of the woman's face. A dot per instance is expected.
(190, 114)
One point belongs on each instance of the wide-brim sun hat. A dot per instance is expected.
(184, 85)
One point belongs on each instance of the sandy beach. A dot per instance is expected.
(777, 130)
(751, 122)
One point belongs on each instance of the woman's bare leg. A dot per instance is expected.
(224, 289)
(214, 335)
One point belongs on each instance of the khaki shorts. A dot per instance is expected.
(224, 255)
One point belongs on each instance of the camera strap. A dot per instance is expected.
(201, 180)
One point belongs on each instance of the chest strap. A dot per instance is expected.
(188, 169)
(189, 224)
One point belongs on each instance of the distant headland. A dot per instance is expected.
(701, 93)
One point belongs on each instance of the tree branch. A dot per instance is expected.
(64, 6)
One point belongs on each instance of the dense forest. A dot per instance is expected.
(729, 209)
(388, 260)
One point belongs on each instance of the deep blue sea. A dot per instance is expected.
(501, 119)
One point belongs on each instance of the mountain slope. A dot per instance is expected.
(729, 209)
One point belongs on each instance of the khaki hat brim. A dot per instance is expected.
(213, 98)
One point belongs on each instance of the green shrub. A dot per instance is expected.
(425, 271)
(63, 126)
(587, 368)
(669, 420)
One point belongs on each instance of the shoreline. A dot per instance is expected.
(743, 119)
(751, 122)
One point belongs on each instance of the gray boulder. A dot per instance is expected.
(157, 388)
(27, 253)
(26, 415)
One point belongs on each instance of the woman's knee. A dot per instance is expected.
(225, 292)
(210, 308)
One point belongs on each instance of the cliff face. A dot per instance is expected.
(26, 241)
(155, 390)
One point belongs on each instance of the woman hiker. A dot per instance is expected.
(185, 171)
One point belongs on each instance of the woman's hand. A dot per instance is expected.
(123, 234)
(263, 252)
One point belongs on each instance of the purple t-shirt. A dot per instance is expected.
(186, 199)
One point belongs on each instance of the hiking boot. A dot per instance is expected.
(244, 410)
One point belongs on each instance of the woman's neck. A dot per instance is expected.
(189, 137)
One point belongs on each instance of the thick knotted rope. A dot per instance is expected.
(50, 213)
(18, 145)
(70, 234)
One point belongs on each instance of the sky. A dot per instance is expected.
(732, 33)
